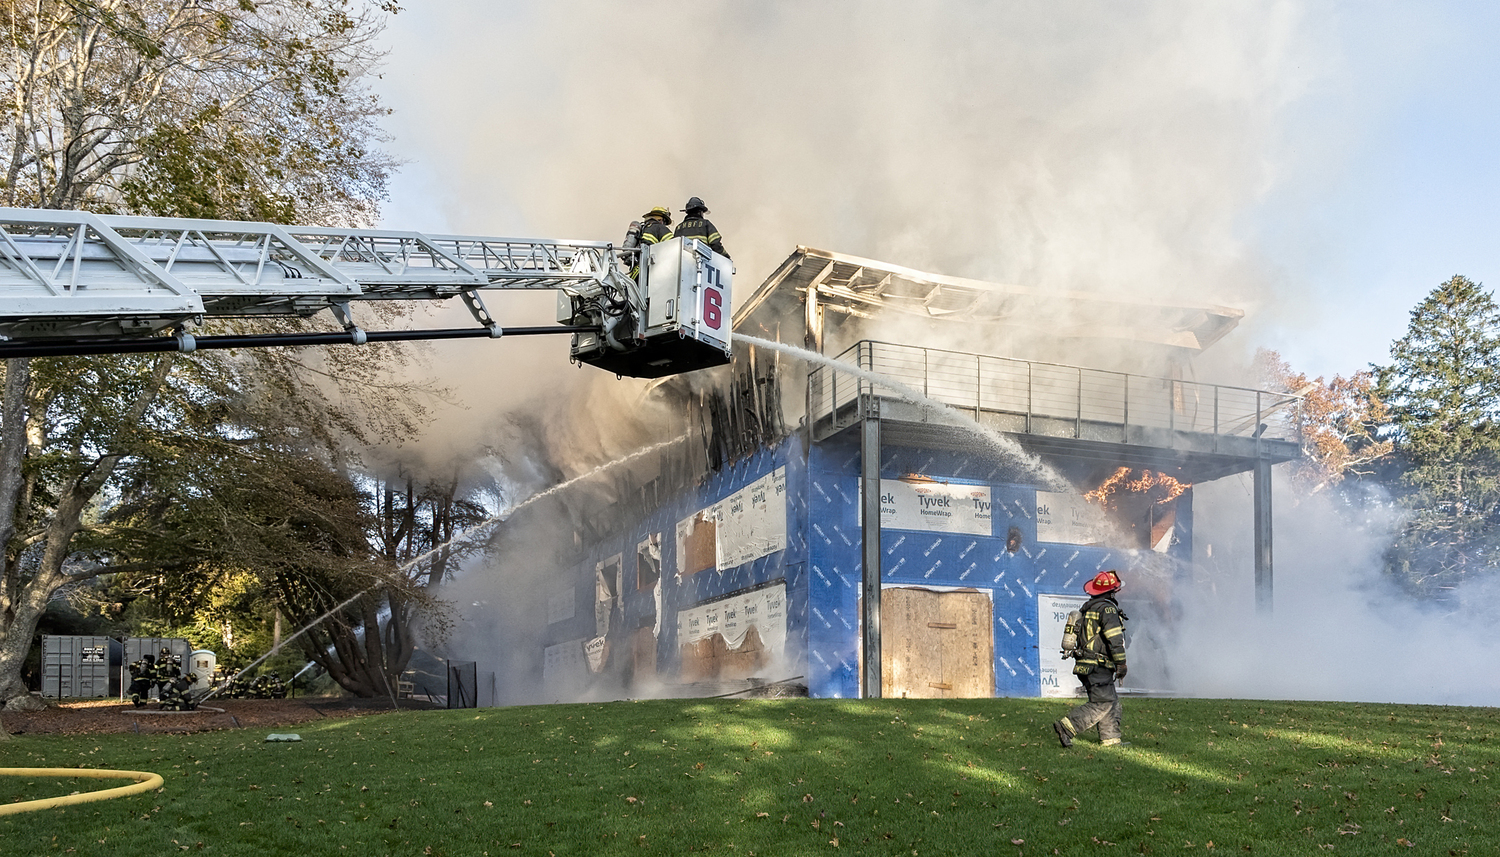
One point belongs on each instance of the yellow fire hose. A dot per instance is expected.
(144, 782)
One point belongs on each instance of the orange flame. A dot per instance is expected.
(1148, 481)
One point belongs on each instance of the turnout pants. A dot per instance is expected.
(1103, 708)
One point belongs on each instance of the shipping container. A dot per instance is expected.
(80, 667)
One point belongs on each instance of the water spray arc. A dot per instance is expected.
(997, 441)
(465, 535)
(495, 519)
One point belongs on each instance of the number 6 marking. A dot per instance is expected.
(713, 312)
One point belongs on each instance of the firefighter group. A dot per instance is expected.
(163, 673)
(657, 227)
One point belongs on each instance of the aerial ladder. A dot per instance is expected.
(77, 283)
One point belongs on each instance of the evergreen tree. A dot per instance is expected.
(1443, 391)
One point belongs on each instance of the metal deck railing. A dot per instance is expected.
(1045, 398)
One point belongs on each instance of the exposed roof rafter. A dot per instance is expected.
(855, 286)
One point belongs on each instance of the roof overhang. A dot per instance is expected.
(867, 288)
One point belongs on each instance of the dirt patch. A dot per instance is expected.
(94, 717)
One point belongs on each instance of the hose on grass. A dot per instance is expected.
(144, 782)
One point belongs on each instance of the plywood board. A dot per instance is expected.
(969, 649)
(711, 658)
(643, 653)
(745, 526)
(697, 661)
(697, 545)
(936, 644)
(748, 660)
(909, 664)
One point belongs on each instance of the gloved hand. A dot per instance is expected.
(1120, 672)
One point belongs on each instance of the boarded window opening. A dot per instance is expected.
(936, 644)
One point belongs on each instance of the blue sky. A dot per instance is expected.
(1321, 165)
(1393, 182)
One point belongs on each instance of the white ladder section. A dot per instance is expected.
(76, 274)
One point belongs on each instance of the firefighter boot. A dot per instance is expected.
(1064, 730)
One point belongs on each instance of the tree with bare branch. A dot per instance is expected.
(245, 109)
(254, 109)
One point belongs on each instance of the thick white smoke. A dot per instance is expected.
(1100, 147)
(1096, 146)
(1339, 629)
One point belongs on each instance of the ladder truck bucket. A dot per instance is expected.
(676, 319)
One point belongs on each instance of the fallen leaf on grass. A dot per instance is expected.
(1406, 842)
(1018, 842)
(762, 815)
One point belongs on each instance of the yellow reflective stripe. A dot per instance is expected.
(649, 238)
(712, 238)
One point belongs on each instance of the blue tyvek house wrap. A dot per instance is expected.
(979, 555)
(820, 566)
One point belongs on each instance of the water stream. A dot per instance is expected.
(995, 440)
(465, 535)
(495, 519)
(1007, 447)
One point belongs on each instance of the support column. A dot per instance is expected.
(869, 456)
(1263, 600)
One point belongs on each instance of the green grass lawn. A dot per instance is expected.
(787, 777)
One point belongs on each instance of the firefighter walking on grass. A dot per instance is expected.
(1099, 663)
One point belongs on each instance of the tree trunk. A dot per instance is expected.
(362, 656)
(23, 600)
(12, 454)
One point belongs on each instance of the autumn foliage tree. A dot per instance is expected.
(252, 109)
(1339, 420)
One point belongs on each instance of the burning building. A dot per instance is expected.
(898, 489)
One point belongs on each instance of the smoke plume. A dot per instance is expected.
(1096, 147)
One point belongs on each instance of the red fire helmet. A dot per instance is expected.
(1104, 581)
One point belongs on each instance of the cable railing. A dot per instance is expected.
(1049, 398)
